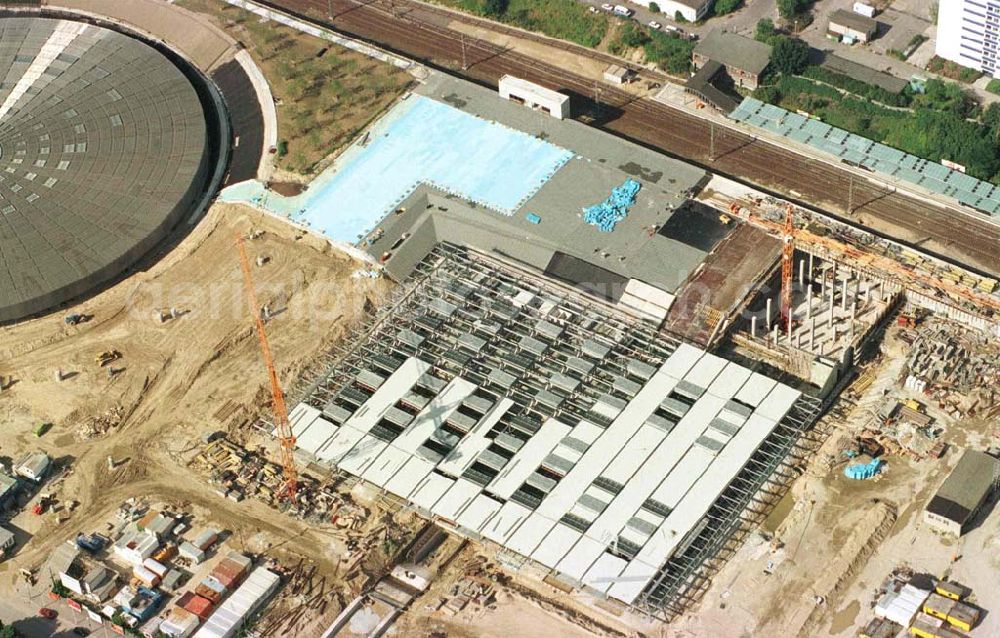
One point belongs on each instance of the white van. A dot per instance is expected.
(623, 11)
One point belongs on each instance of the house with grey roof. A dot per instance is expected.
(744, 60)
(961, 496)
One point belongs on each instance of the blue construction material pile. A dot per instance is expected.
(863, 471)
(614, 209)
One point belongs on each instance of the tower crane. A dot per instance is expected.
(787, 260)
(283, 427)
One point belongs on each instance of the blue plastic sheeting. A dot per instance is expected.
(421, 141)
(614, 209)
(862, 471)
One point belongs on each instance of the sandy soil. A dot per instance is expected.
(839, 539)
(173, 377)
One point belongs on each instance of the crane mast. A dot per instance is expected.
(787, 260)
(283, 427)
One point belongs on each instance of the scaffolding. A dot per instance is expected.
(507, 330)
(554, 353)
(683, 578)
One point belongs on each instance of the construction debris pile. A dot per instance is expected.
(240, 473)
(476, 588)
(903, 429)
(307, 595)
(956, 367)
(101, 424)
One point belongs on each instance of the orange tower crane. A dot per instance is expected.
(787, 259)
(281, 423)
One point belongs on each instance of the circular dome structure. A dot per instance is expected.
(104, 147)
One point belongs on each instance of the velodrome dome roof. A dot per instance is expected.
(103, 149)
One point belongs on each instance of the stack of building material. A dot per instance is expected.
(956, 614)
(615, 208)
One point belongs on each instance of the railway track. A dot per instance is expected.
(415, 31)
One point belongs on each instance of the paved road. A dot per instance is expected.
(23, 615)
(742, 21)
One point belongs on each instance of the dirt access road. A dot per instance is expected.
(176, 380)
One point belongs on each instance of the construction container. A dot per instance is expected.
(189, 551)
(197, 605)
(156, 567)
(146, 577)
(948, 632)
(963, 616)
(951, 590)
(206, 539)
(209, 593)
(165, 554)
(925, 626)
(938, 606)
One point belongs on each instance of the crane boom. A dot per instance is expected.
(283, 427)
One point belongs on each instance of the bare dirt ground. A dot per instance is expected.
(173, 377)
(838, 539)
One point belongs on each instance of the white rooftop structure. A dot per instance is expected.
(534, 96)
(598, 455)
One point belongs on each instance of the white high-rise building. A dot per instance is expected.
(969, 33)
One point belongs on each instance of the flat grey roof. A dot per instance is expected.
(735, 51)
(103, 149)
(601, 162)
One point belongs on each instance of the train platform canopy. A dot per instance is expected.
(860, 151)
(575, 436)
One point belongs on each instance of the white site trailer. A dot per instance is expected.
(535, 96)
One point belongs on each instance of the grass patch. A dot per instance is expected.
(325, 94)
(993, 86)
(563, 19)
(953, 71)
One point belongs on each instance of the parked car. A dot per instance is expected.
(608, 7)
(45, 612)
(592, 9)
(653, 24)
(623, 11)
(81, 631)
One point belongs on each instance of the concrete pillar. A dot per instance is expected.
(854, 311)
(843, 295)
(810, 275)
(768, 317)
(774, 335)
(812, 332)
(753, 326)
(802, 272)
(809, 301)
(829, 314)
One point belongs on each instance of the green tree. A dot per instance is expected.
(790, 55)
(788, 9)
(8, 631)
(722, 7)
(495, 8)
(765, 30)
(655, 8)
(679, 17)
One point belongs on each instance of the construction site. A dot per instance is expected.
(490, 371)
